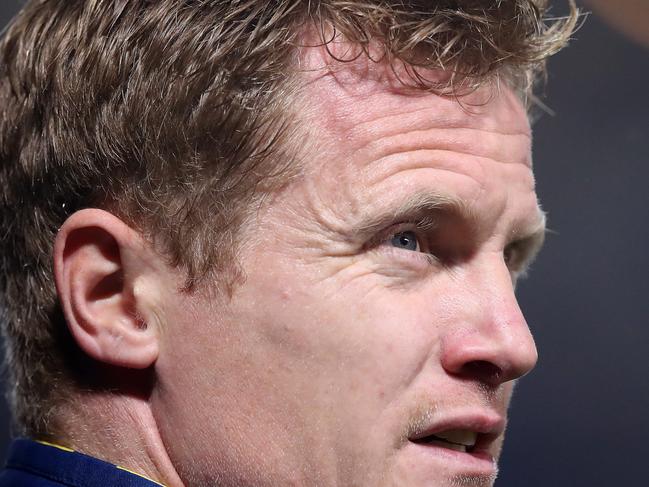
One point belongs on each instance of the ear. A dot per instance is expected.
(103, 270)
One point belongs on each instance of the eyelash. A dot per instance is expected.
(514, 257)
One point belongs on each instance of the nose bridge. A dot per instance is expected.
(490, 334)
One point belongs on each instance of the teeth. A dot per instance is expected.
(459, 437)
(446, 444)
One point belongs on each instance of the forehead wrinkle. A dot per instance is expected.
(501, 113)
(418, 119)
(392, 133)
(431, 164)
(485, 145)
(358, 138)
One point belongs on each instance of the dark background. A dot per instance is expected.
(581, 418)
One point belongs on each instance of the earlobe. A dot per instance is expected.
(99, 266)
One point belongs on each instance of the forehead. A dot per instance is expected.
(377, 144)
(351, 99)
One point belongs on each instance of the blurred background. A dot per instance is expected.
(581, 418)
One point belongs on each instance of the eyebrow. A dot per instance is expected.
(535, 233)
(418, 208)
(530, 241)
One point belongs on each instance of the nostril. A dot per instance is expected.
(483, 371)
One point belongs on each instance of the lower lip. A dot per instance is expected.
(470, 463)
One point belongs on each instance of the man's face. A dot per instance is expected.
(376, 338)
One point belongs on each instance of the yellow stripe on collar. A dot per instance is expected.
(47, 443)
(140, 475)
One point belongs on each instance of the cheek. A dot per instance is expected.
(353, 337)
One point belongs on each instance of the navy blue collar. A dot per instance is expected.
(55, 465)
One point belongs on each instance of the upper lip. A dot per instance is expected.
(488, 426)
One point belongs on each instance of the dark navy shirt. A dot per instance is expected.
(37, 464)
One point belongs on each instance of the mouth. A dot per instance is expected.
(476, 434)
(461, 440)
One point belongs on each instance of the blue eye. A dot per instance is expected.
(405, 240)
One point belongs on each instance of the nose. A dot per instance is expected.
(488, 339)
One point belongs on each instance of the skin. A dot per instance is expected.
(341, 346)
(338, 342)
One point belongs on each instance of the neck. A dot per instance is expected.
(121, 430)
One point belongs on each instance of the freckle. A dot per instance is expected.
(285, 295)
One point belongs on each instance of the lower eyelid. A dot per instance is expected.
(420, 259)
